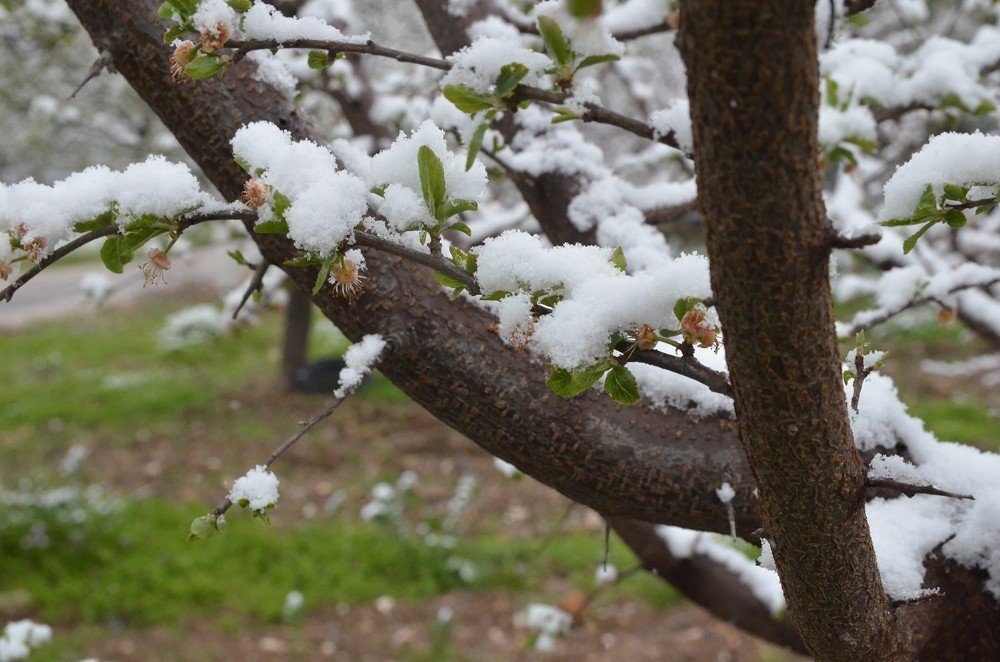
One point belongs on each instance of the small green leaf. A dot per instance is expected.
(474, 145)
(620, 384)
(113, 254)
(204, 66)
(618, 259)
(202, 527)
(133, 241)
(568, 383)
(304, 261)
(239, 5)
(510, 77)
(431, 178)
(97, 223)
(848, 376)
(955, 192)
(461, 227)
(591, 60)
(561, 382)
(448, 281)
(555, 41)
(684, 306)
(911, 241)
(458, 206)
(173, 32)
(584, 8)
(563, 114)
(271, 227)
(496, 296)
(281, 204)
(466, 99)
(928, 201)
(324, 271)
(238, 257)
(954, 218)
(165, 11)
(318, 60)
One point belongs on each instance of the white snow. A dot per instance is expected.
(478, 65)
(947, 158)
(359, 359)
(262, 21)
(674, 118)
(259, 487)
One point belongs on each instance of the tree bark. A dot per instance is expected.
(295, 348)
(753, 84)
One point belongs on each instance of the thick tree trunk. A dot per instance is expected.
(753, 84)
(295, 345)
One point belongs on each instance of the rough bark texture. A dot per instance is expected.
(634, 462)
(753, 85)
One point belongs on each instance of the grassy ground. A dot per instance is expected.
(164, 431)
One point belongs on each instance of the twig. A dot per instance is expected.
(594, 112)
(921, 598)
(83, 240)
(860, 374)
(689, 367)
(102, 62)
(883, 317)
(862, 240)
(435, 262)
(291, 441)
(911, 490)
(256, 282)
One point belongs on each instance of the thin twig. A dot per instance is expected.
(102, 62)
(911, 490)
(83, 240)
(887, 315)
(860, 374)
(594, 112)
(291, 441)
(256, 282)
(860, 241)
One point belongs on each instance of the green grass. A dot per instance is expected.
(137, 569)
(961, 421)
(108, 372)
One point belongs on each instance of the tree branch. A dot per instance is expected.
(7, 293)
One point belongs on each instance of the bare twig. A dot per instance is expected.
(860, 241)
(256, 282)
(911, 490)
(102, 62)
(291, 441)
(83, 240)
(863, 323)
(860, 374)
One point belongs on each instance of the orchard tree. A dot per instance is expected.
(486, 221)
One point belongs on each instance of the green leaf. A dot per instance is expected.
(184, 7)
(318, 60)
(474, 145)
(113, 254)
(618, 259)
(239, 5)
(591, 60)
(238, 257)
(271, 227)
(848, 376)
(988, 207)
(510, 77)
(448, 281)
(954, 218)
(165, 11)
(461, 227)
(568, 383)
(928, 201)
(281, 204)
(584, 8)
(324, 271)
(621, 386)
(457, 206)
(466, 99)
(304, 261)
(563, 114)
(496, 296)
(173, 32)
(955, 192)
(133, 241)
(431, 178)
(205, 65)
(684, 306)
(202, 527)
(911, 241)
(869, 146)
(555, 41)
(831, 92)
(97, 223)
